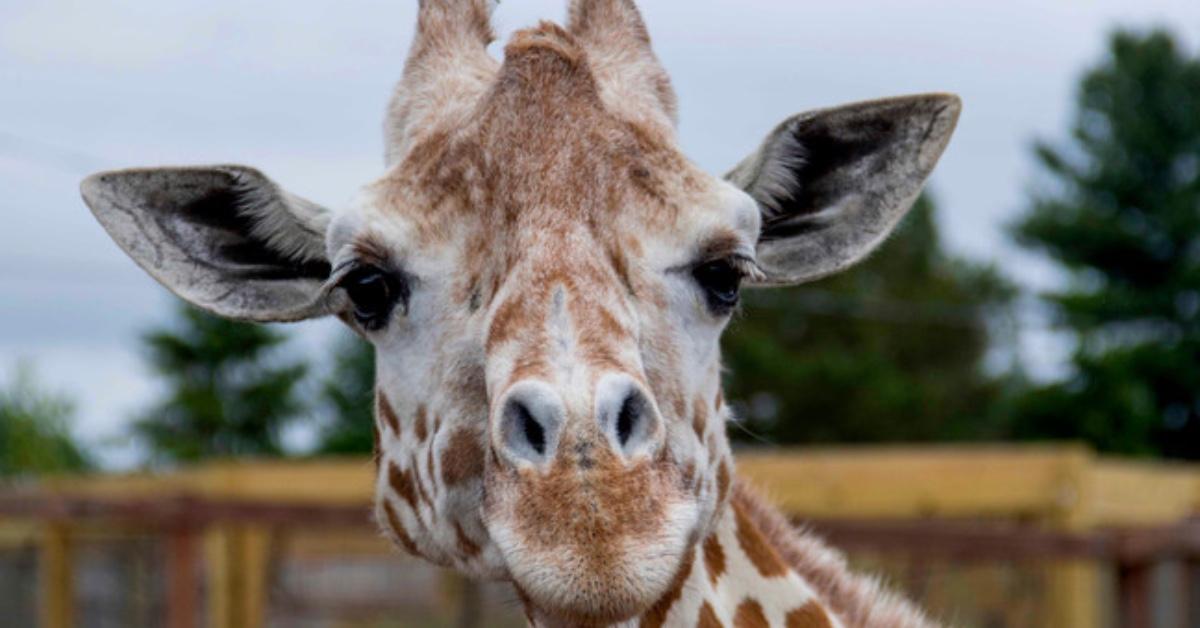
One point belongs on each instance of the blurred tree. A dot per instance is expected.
(892, 350)
(227, 395)
(34, 429)
(348, 394)
(1122, 216)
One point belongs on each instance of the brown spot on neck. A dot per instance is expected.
(384, 408)
(810, 615)
(429, 469)
(755, 545)
(750, 615)
(708, 617)
(852, 598)
(657, 615)
(699, 417)
(723, 480)
(419, 427)
(714, 558)
(402, 483)
(393, 522)
(416, 480)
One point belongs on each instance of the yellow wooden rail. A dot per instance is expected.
(1062, 488)
(1029, 483)
(1067, 489)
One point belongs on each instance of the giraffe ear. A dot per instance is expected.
(832, 184)
(224, 238)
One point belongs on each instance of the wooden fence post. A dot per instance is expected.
(55, 577)
(238, 558)
(256, 557)
(220, 563)
(1135, 583)
(182, 582)
(1074, 583)
(1191, 588)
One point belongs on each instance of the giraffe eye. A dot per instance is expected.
(374, 293)
(721, 283)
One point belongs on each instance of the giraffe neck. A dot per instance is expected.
(756, 570)
(737, 578)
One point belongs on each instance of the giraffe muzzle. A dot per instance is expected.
(534, 424)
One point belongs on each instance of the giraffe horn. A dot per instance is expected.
(620, 52)
(608, 19)
(448, 57)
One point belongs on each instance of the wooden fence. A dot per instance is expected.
(1059, 505)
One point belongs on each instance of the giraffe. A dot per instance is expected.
(545, 278)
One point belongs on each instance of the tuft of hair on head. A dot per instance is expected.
(546, 38)
(545, 66)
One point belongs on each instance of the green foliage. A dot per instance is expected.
(347, 395)
(889, 351)
(227, 395)
(34, 434)
(1122, 215)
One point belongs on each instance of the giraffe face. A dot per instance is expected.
(548, 368)
(545, 279)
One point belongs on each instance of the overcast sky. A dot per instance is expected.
(297, 88)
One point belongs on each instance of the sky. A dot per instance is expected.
(297, 88)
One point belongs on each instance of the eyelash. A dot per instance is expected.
(374, 293)
(721, 281)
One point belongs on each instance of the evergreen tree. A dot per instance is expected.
(228, 393)
(34, 430)
(1122, 216)
(347, 395)
(892, 350)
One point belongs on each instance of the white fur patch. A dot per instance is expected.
(291, 226)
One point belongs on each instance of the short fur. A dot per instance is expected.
(858, 600)
(548, 406)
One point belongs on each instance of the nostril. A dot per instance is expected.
(627, 416)
(529, 423)
(631, 409)
(535, 434)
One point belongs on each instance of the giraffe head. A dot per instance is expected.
(545, 278)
